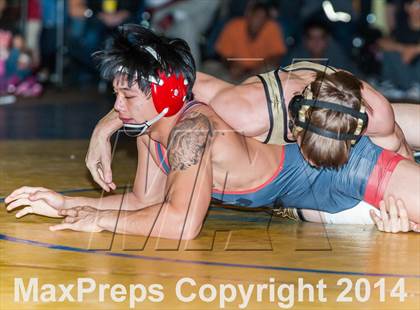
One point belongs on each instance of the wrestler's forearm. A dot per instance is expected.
(109, 124)
(404, 149)
(112, 202)
(155, 221)
(407, 117)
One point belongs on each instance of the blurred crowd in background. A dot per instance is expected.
(48, 43)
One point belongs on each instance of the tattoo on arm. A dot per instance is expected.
(188, 140)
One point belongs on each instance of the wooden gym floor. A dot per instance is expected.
(248, 247)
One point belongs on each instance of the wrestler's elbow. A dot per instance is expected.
(183, 224)
(187, 231)
(400, 144)
(390, 140)
(396, 143)
(192, 227)
(191, 233)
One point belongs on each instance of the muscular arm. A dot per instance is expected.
(187, 190)
(147, 189)
(382, 128)
(207, 87)
(394, 142)
(243, 107)
(407, 116)
(109, 124)
(98, 157)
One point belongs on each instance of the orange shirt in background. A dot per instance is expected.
(234, 42)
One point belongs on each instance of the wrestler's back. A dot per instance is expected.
(244, 106)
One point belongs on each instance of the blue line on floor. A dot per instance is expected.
(199, 262)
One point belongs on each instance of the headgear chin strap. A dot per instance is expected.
(169, 92)
(299, 106)
(135, 130)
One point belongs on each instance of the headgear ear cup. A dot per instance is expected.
(361, 124)
(170, 92)
(297, 112)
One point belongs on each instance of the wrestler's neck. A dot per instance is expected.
(161, 130)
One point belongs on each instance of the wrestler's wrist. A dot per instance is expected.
(70, 202)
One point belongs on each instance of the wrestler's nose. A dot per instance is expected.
(119, 104)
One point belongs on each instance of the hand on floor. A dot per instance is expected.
(38, 200)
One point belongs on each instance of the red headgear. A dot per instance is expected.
(169, 91)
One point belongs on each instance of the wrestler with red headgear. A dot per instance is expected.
(197, 156)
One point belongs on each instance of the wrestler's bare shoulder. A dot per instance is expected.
(230, 151)
(298, 75)
(223, 136)
(250, 87)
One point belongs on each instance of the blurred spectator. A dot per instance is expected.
(187, 19)
(255, 35)
(318, 44)
(91, 23)
(33, 29)
(18, 64)
(18, 78)
(5, 39)
(401, 59)
(227, 10)
(287, 13)
(338, 15)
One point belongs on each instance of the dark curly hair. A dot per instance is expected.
(143, 53)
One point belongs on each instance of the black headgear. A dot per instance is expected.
(299, 105)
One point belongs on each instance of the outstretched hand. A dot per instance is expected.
(393, 217)
(38, 200)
